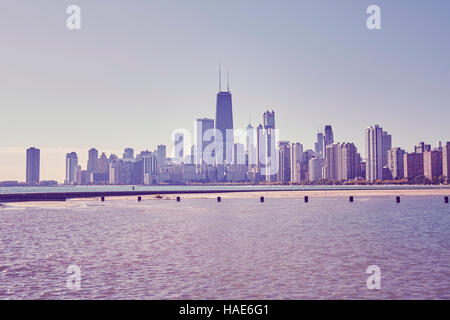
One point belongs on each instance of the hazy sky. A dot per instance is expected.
(140, 69)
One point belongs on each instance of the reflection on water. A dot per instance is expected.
(237, 249)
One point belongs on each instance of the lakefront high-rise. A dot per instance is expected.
(378, 143)
(224, 124)
(33, 165)
(71, 167)
(374, 153)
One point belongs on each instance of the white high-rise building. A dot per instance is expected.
(330, 170)
(374, 153)
(71, 167)
(315, 169)
(251, 147)
(396, 162)
(296, 159)
(347, 161)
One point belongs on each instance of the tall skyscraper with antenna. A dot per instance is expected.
(224, 124)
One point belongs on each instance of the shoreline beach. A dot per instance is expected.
(242, 195)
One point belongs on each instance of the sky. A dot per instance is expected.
(138, 70)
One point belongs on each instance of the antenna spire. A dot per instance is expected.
(228, 81)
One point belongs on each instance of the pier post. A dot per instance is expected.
(261, 199)
(350, 199)
(219, 199)
(103, 199)
(446, 199)
(398, 199)
(306, 199)
(178, 199)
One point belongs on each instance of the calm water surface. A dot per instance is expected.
(237, 249)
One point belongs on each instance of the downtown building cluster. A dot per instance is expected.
(221, 154)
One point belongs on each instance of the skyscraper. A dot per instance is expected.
(71, 168)
(269, 128)
(204, 137)
(103, 164)
(446, 160)
(92, 161)
(347, 161)
(162, 154)
(224, 125)
(78, 175)
(284, 167)
(115, 171)
(412, 165)
(327, 137)
(432, 164)
(395, 163)
(296, 160)
(318, 146)
(374, 153)
(315, 168)
(150, 166)
(251, 148)
(270, 146)
(387, 145)
(331, 162)
(33, 165)
(269, 120)
(260, 147)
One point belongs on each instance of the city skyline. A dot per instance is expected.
(314, 63)
(340, 162)
(377, 152)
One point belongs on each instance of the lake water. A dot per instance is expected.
(237, 249)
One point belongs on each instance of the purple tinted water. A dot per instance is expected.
(237, 249)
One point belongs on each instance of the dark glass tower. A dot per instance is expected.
(327, 137)
(224, 124)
